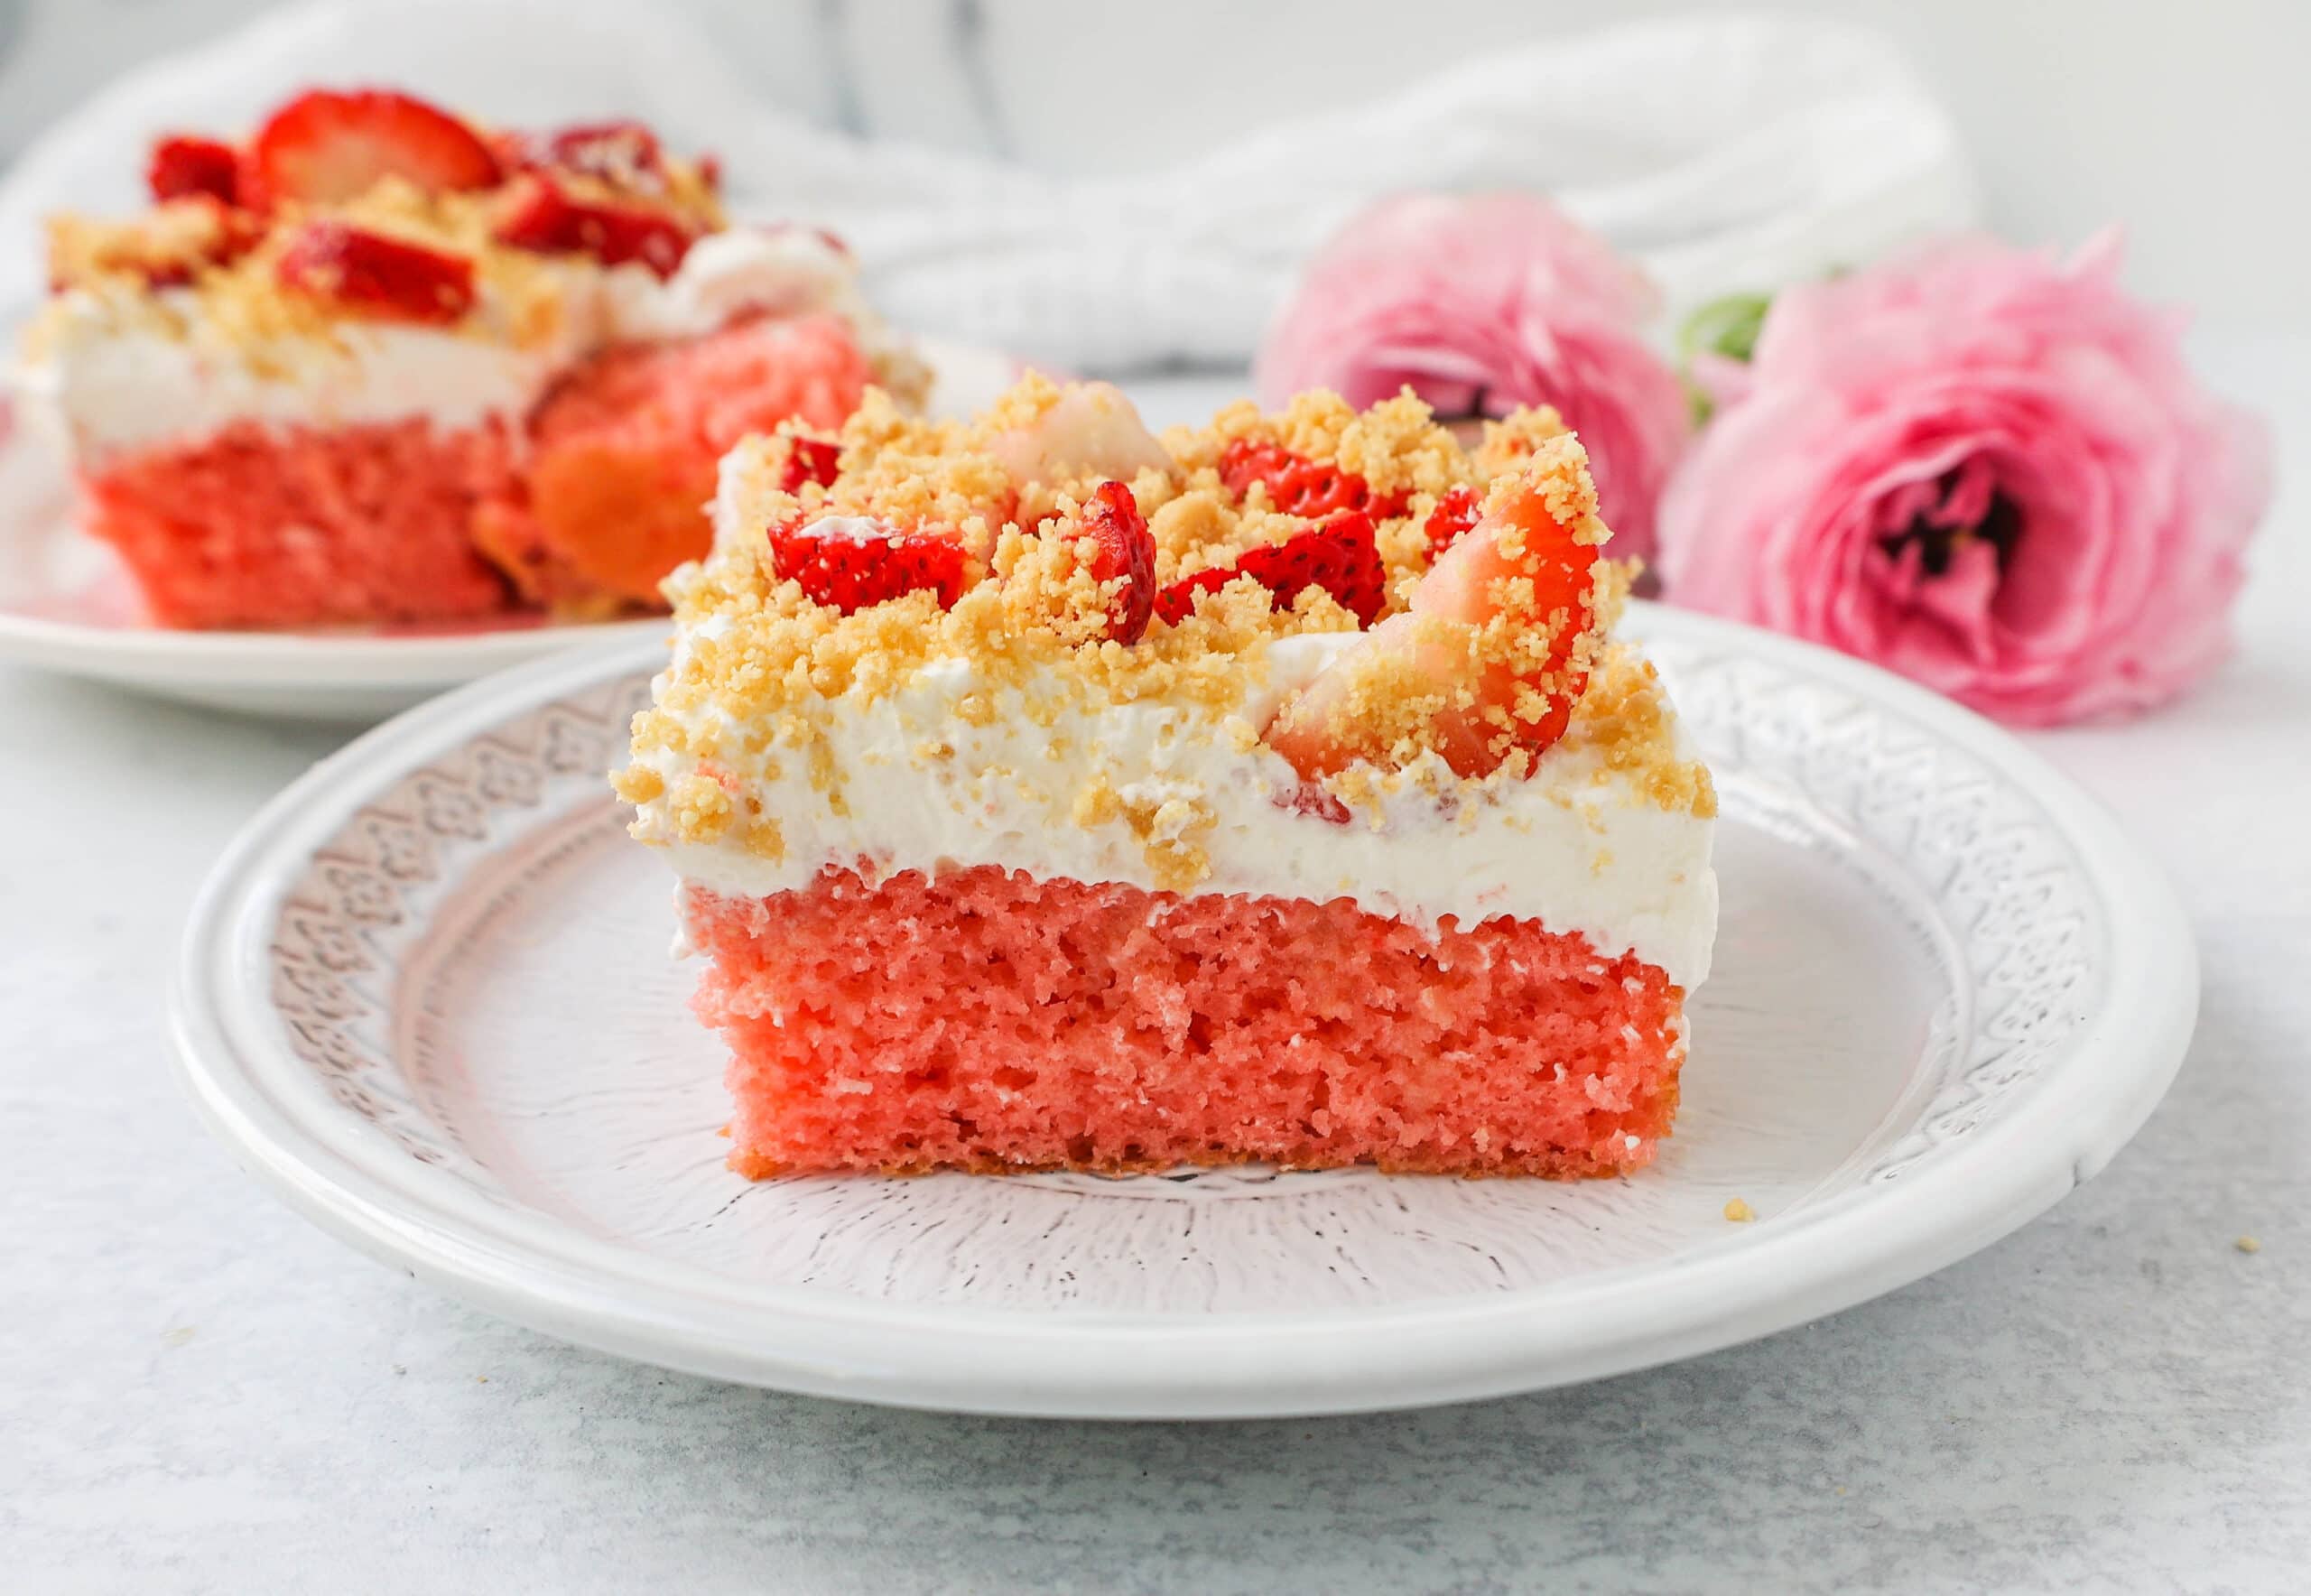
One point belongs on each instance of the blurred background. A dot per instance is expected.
(2182, 123)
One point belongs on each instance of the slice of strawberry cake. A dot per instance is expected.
(377, 363)
(1045, 795)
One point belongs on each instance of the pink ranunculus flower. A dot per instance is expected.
(1482, 304)
(1986, 468)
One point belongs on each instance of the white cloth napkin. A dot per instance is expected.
(1723, 153)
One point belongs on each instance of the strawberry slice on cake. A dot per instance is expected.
(375, 362)
(1046, 794)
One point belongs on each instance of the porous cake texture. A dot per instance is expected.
(258, 526)
(989, 1021)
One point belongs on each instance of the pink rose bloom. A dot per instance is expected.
(1986, 468)
(1482, 304)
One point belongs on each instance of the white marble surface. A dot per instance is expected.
(199, 1392)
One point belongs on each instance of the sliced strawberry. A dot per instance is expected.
(1495, 627)
(1301, 486)
(183, 165)
(543, 215)
(624, 154)
(381, 276)
(1551, 579)
(849, 564)
(808, 459)
(1339, 556)
(1126, 549)
(1454, 514)
(326, 147)
(709, 172)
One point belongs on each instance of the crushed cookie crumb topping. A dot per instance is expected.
(380, 163)
(1498, 662)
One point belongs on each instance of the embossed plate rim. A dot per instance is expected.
(345, 1174)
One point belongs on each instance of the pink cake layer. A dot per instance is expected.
(270, 527)
(991, 1022)
(280, 527)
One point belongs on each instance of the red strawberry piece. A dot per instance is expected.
(326, 147)
(183, 165)
(1126, 549)
(808, 459)
(849, 572)
(1454, 514)
(1309, 799)
(1244, 462)
(1519, 563)
(624, 154)
(1339, 556)
(541, 214)
(371, 272)
(1301, 486)
(709, 172)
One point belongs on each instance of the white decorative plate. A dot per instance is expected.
(68, 605)
(427, 997)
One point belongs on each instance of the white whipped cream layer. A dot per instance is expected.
(111, 381)
(1579, 847)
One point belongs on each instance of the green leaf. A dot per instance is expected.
(1727, 326)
